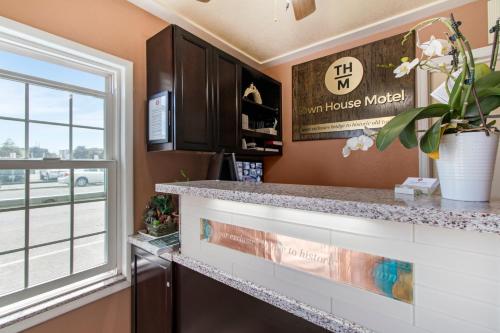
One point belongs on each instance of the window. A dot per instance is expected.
(59, 165)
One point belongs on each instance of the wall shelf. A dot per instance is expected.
(254, 134)
(261, 115)
(258, 106)
(251, 152)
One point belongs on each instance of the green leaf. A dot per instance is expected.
(489, 80)
(398, 124)
(485, 92)
(488, 104)
(486, 83)
(408, 136)
(480, 71)
(429, 142)
(456, 93)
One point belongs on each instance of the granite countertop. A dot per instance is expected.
(328, 321)
(357, 202)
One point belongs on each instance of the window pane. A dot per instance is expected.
(11, 188)
(90, 184)
(49, 224)
(12, 230)
(88, 144)
(89, 252)
(90, 218)
(48, 263)
(46, 70)
(49, 141)
(12, 99)
(50, 105)
(49, 186)
(88, 111)
(11, 139)
(11, 272)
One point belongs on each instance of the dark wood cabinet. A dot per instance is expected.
(152, 305)
(205, 305)
(226, 88)
(205, 88)
(170, 298)
(193, 92)
(180, 64)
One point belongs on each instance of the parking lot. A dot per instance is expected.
(49, 224)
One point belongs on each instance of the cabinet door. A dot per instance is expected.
(151, 293)
(193, 92)
(204, 305)
(226, 81)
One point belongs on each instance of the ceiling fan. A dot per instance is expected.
(301, 8)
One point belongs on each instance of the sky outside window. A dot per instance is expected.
(49, 105)
(49, 71)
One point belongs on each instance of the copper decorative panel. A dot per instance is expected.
(384, 276)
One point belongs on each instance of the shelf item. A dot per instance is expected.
(270, 131)
(244, 122)
(274, 143)
(251, 145)
(254, 92)
(255, 134)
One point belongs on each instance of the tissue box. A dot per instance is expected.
(268, 130)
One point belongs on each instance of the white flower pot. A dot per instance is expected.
(466, 164)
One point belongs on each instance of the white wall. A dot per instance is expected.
(456, 273)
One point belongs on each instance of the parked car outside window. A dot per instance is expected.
(83, 177)
(50, 175)
(10, 177)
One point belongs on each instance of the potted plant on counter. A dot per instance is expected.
(461, 139)
(160, 217)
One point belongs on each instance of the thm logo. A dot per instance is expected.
(344, 75)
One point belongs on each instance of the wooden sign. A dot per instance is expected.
(338, 95)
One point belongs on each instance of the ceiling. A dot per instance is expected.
(249, 26)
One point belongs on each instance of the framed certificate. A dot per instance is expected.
(158, 120)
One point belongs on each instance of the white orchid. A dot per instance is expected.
(406, 67)
(435, 47)
(361, 142)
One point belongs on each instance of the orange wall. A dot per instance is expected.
(107, 315)
(119, 28)
(321, 162)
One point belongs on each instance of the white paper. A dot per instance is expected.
(158, 118)
(440, 94)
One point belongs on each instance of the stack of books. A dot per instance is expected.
(273, 145)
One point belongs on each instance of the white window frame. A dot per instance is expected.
(119, 129)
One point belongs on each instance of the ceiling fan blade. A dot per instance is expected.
(303, 8)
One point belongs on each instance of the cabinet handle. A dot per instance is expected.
(168, 284)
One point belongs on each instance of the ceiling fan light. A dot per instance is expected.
(303, 8)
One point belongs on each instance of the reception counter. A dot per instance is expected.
(347, 259)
